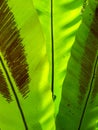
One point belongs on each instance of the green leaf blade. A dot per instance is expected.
(38, 110)
(64, 24)
(75, 107)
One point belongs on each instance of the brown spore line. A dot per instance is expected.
(4, 87)
(89, 55)
(95, 90)
(12, 49)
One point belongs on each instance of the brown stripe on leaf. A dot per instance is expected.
(89, 57)
(95, 90)
(3, 87)
(12, 48)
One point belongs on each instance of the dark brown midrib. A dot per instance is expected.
(16, 97)
(52, 50)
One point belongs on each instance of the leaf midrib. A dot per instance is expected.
(14, 92)
(89, 92)
(52, 49)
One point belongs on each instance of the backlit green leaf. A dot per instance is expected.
(60, 20)
(25, 95)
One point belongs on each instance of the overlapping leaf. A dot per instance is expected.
(60, 20)
(79, 106)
